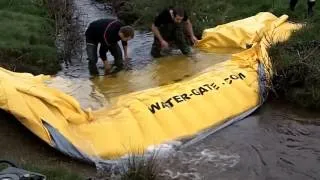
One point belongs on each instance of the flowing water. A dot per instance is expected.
(278, 141)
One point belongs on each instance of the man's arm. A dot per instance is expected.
(103, 56)
(190, 31)
(157, 22)
(125, 50)
(103, 52)
(156, 32)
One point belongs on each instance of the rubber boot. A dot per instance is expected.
(310, 8)
(293, 4)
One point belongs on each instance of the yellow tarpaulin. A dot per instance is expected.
(229, 91)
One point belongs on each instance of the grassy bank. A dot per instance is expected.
(297, 67)
(295, 61)
(27, 37)
(29, 30)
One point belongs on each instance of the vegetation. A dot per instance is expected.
(28, 33)
(297, 67)
(141, 168)
(27, 37)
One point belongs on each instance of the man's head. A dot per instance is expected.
(126, 33)
(178, 15)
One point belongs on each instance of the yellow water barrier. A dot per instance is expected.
(227, 92)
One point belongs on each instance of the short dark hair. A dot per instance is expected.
(178, 12)
(127, 31)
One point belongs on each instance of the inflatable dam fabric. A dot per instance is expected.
(225, 93)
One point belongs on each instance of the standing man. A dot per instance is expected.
(311, 3)
(107, 32)
(168, 28)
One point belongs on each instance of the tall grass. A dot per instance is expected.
(67, 28)
(297, 67)
(138, 167)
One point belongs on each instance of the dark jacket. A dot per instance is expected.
(106, 32)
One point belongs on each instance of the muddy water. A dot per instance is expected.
(276, 142)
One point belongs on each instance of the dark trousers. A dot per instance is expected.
(173, 34)
(115, 50)
(293, 4)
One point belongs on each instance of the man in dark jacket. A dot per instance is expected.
(168, 28)
(311, 3)
(107, 32)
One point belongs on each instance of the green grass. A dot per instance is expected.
(27, 37)
(297, 67)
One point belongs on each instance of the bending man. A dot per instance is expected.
(168, 28)
(107, 32)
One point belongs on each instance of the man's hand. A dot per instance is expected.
(164, 44)
(194, 39)
(107, 67)
(125, 51)
(126, 58)
(156, 32)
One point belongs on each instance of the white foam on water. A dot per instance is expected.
(182, 176)
(194, 162)
(216, 159)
